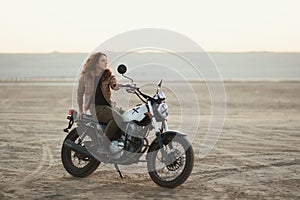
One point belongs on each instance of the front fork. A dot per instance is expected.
(164, 127)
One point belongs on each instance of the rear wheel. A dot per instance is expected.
(173, 169)
(77, 164)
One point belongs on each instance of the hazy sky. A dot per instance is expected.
(80, 26)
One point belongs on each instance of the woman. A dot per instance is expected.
(95, 84)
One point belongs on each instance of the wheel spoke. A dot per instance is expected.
(177, 165)
(171, 167)
(78, 160)
(75, 163)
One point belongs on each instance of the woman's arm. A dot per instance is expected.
(114, 84)
(80, 92)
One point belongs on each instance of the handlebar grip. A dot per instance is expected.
(126, 85)
(129, 86)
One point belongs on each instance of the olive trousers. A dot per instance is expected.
(112, 118)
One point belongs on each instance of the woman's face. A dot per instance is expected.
(102, 64)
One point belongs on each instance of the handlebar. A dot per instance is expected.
(131, 88)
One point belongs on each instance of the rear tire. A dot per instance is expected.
(76, 164)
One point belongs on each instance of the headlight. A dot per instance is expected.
(161, 96)
(163, 110)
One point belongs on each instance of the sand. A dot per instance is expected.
(256, 157)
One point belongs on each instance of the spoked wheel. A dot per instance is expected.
(77, 164)
(175, 167)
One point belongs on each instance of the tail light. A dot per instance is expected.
(70, 112)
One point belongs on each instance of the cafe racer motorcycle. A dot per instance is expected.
(169, 157)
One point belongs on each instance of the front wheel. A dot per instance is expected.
(176, 166)
(76, 164)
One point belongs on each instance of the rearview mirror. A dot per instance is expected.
(122, 69)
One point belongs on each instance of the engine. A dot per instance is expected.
(135, 130)
(135, 136)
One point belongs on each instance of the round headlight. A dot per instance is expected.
(161, 96)
(163, 110)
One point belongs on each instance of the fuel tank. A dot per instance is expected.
(136, 113)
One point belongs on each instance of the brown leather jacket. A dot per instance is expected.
(86, 89)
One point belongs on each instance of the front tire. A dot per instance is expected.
(173, 170)
(75, 163)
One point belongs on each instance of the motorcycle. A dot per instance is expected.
(169, 157)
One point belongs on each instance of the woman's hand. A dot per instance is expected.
(79, 115)
(114, 84)
(117, 86)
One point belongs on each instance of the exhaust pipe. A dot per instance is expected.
(77, 148)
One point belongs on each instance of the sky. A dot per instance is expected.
(42, 26)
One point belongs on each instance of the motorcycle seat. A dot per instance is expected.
(87, 117)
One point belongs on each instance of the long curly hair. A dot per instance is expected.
(91, 64)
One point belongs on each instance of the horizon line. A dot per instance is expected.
(78, 52)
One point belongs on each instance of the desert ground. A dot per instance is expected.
(256, 157)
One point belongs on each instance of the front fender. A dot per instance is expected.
(172, 133)
(165, 137)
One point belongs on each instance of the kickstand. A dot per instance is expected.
(117, 168)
